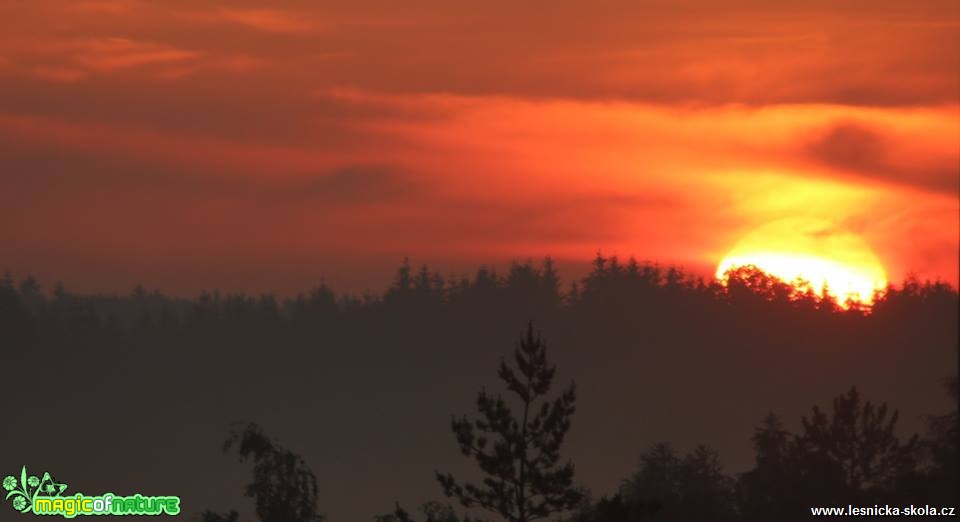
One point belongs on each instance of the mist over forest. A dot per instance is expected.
(139, 390)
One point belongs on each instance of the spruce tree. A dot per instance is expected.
(519, 454)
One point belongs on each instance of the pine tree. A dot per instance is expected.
(519, 456)
(860, 443)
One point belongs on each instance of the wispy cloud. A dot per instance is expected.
(58, 74)
(106, 7)
(109, 54)
(270, 20)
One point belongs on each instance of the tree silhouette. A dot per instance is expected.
(688, 488)
(17, 325)
(941, 455)
(858, 444)
(284, 488)
(629, 324)
(769, 491)
(519, 455)
(852, 455)
(432, 512)
(612, 509)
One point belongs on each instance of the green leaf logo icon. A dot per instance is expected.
(23, 492)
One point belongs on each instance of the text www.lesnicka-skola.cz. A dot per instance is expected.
(884, 511)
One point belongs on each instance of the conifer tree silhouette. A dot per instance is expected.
(852, 454)
(860, 441)
(519, 454)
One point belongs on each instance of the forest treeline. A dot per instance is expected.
(659, 354)
(31, 315)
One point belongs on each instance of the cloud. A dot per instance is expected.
(69, 60)
(354, 184)
(84, 171)
(549, 223)
(849, 145)
(866, 151)
(684, 53)
(59, 74)
(175, 151)
(327, 130)
(111, 7)
(109, 54)
(270, 20)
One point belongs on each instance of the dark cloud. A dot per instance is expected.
(552, 219)
(351, 185)
(865, 151)
(34, 171)
(250, 109)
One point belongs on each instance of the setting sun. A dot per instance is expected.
(813, 252)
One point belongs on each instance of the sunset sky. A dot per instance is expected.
(262, 146)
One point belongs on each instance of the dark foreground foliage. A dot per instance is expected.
(283, 488)
(849, 455)
(642, 341)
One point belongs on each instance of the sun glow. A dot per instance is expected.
(811, 252)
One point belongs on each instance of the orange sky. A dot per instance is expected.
(262, 146)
